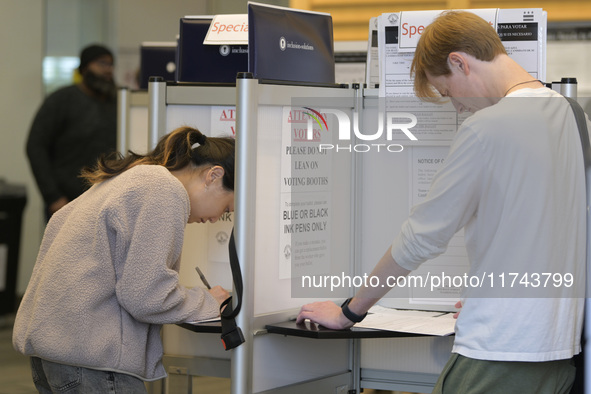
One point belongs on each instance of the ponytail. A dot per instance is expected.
(174, 151)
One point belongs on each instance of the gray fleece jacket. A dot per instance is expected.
(106, 277)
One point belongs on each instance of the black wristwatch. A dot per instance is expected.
(355, 318)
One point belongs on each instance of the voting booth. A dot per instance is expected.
(132, 121)
(206, 63)
(263, 111)
(290, 45)
(325, 176)
(157, 59)
(279, 172)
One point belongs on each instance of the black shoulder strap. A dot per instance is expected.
(583, 132)
(581, 358)
(231, 334)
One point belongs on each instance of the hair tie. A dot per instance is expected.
(201, 138)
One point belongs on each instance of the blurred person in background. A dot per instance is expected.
(73, 127)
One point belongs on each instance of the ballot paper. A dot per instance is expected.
(410, 321)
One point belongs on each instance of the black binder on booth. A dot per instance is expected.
(157, 59)
(290, 45)
(207, 63)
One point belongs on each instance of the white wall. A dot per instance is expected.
(135, 21)
(570, 59)
(71, 25)
(21, 45)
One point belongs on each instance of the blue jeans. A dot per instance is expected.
(50, 377)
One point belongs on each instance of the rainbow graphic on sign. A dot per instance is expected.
(317, 116)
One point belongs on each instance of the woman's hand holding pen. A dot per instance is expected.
(219, 293)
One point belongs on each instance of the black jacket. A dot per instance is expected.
(70, 131)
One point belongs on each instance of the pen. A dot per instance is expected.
(205, 282)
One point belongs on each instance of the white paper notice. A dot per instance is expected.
(223, 121)
(425, 162)
(410, 321)
(305, 196)
(523, 33)
(521, 30)
(228, 29)
(372, 69)
(412, 24)
(219, 238)
(395, 80)
(223, 124)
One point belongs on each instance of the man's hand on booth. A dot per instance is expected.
(325, 313)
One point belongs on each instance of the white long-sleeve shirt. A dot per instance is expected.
(106, 277)
(514, 180)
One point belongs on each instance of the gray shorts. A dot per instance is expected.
(463, 375)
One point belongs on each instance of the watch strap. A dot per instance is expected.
(355, 318)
